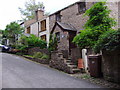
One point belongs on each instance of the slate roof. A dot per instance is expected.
(66, 26)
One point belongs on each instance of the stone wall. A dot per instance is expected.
(76, 53)
(31, 51)
(58, 62)
(72, 16)
(111, 65)
(42, 61)
(64, 42)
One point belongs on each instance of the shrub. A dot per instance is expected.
(98, 23)
(37, 55)
(23, 48)
(109, 41)
(87, 38)
(33, 41)
(40, 55)
(45, 56)
(52, 43)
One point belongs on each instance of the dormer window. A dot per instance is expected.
(58, 17)
(81, 7)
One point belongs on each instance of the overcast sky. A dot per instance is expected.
(9, 9)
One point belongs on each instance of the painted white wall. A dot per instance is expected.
(47, 32)
(34, 29)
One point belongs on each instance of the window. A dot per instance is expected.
(58, 17)
(28, 30)
(81, 7)
(58, 36)
(43, 37)
(43, 25)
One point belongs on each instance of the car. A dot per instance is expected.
(4, 48)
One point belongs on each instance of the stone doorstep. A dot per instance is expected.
(70, 63)
(72, 66)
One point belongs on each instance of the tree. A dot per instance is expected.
(109, 41)
(1, 35)
(30, 7)
(12, 31)
(98, 23)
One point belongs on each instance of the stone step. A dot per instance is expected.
(70, 63)
(75, 70)
(72, 66)
(60, 53)
(69, 59)
(60, 56)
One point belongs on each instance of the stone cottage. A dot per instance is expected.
(38, 26)
(69, 21)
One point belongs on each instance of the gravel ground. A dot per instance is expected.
(99, 81)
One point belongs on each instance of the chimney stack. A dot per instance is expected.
(39, 13)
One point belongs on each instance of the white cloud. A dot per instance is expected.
(9, 9)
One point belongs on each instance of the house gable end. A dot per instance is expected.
(56, 24)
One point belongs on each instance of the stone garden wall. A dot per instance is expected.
(58, 62)
(76, 53)
(42, 61)
(37, 49)
(111, 65)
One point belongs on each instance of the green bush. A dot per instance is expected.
(28, 56)
(45, 56)
(87, 38)
(23, 48)
(40, 55)
(98, 23)
(33, 41)
(37, 55)
(52, 43)
(109, 41)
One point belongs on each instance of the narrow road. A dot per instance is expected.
(18, 72)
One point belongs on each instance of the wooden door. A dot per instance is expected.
(71, 44)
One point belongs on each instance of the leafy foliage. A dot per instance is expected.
(33, 41)
(12, 31)
(98, 23)
(37, 55)
(109, 41)
(30, 7)
(52, 43)
(99, 17)
(40, 55)
(45, 56)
